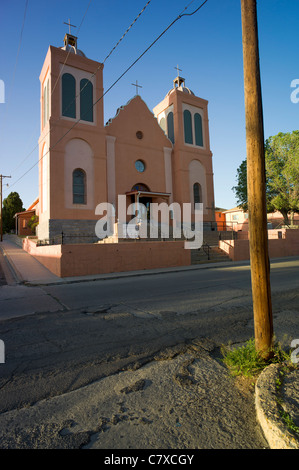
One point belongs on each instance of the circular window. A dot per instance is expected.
(140, 166)
(139, 135)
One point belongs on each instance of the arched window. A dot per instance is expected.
(198, 129)
(170, 127)
(140, 187)
(163, 124)
(46, 109)
(68, 104)
(86, 100)
(197, 193)
(188, 127)
(79, 186)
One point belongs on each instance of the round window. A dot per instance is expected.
(140, 166)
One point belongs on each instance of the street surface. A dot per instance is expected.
(83, 343)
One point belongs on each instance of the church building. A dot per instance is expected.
(161, 156)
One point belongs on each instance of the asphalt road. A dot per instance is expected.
(98, 329)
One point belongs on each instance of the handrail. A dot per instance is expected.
(206, 248)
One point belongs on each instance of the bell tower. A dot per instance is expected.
(184, 118)
(72, 140)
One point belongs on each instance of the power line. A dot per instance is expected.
(112, 50)
(107, 57)
(1, 218)
(70, 49)
(181, 15)
(18, 53)
(27, 156)
(96, 71)
(20, 42)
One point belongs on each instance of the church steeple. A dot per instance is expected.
(70, 41)
(178, 81)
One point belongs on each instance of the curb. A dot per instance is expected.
(268, 414)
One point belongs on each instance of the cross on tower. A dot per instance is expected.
(69, 25)
(137, 86)
(178, 81)
(178, 70)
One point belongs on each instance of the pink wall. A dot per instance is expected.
(49, 256)
(287, 245)
(80, 260)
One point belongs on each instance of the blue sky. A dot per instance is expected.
(207, 47)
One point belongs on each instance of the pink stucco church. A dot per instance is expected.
(162, 155)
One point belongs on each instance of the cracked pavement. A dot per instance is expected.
(134, 362)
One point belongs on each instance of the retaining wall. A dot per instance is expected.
(282, 243)
(86, 259)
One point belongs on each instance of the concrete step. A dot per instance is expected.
(216, 255)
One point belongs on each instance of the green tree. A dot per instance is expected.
(33, 223)
(11, 205)
(282, 167)
(282, 175)
(241, 188)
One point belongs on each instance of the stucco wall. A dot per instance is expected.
(281, 243)
(49, 256)
(80, 260)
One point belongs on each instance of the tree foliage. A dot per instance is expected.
(241, 188)
(282, 175)
(33, 223)
(11, 205)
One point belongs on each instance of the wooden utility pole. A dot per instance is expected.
(256, 183)
(1, 224)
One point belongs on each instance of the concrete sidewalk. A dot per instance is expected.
(23, 267)
(273, 403)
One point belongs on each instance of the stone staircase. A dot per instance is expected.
(208, 254)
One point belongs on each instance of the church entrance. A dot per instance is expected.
(146, 201)
(139, 195)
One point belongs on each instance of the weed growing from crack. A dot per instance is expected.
(247, 361)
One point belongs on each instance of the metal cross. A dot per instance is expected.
(137, 86)
(178, 70)
(69, 25)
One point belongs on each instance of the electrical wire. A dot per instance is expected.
(107, 57)
(18, 53)
(20, 42)
(30, 153)
(96, 71)
(181, 15)
(70, 48)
